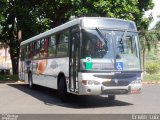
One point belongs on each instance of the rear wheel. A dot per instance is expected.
(62, 89)
(30, 80)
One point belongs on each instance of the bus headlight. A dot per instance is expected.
(90, 82)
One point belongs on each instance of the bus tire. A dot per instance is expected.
(30, 81)
(62, 89)
(111, 97)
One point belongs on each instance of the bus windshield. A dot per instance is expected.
(109, 50)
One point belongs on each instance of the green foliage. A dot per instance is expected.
(148, 41)
(149, 38)
(152, 77)
(152, 68)
(59, 11)
(123, 9)
(35, 16)
(151, 56)
(157, 26)
(2, 9)
(9, 78)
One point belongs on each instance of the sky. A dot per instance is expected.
(155, 12)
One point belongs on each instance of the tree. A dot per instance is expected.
(34, 17)
(149, 39)
(59, 11)
(2, 8)
(17, 16)
(123, 9)
(157, 26)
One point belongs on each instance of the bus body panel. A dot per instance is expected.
(45, 72)
(90, 78)
(109, 84)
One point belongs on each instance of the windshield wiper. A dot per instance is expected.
(100, 34)
(124, 34)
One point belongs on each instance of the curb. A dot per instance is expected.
(150, 82)
(12, 81)
(20, 81)
(8, 81)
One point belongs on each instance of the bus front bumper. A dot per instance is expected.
(112, 90)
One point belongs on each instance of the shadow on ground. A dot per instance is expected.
(50, 97)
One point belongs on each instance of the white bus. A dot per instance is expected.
(85, 56)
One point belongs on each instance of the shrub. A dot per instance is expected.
(9, 77)
(152, 68)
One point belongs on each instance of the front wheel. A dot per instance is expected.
(62, 89)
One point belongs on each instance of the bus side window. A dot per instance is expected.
(43, 53)
(46, 45)
(51, 46)
(27, 51)
(22, 53)
(62, 44)
(36, 49)
(30, 51)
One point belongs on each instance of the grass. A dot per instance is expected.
(152, 57)
(8, 77)
(152, 77)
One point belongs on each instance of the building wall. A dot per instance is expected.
(5, 61)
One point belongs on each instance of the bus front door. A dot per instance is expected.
(73, 62)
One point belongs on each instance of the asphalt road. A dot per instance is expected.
(19, 99)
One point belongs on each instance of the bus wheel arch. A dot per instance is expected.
(62, 87)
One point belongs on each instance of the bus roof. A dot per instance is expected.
(88, 22)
